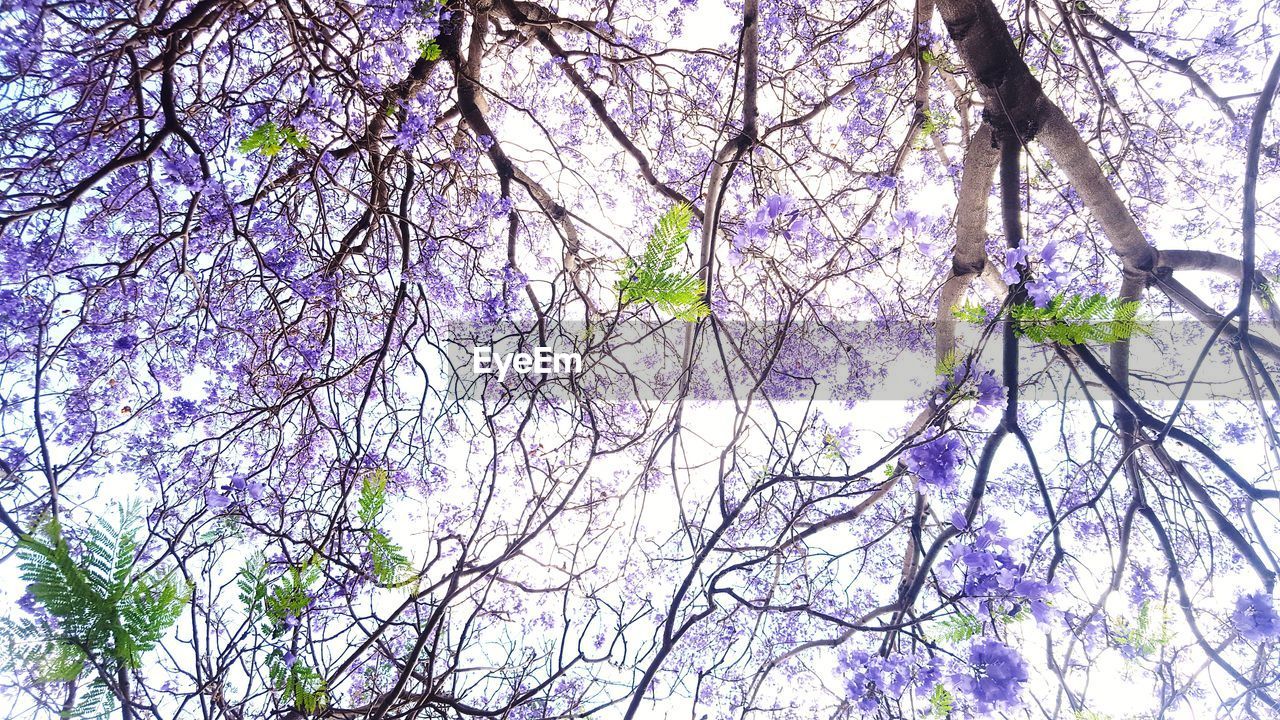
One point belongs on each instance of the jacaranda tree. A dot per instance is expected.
(927, 359)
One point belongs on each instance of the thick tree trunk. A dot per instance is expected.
(1017, 104)
(969, 260)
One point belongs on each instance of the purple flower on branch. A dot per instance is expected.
(1255, 617)
(997, 675)
(216, 500)
(774, 205)
(937, 461)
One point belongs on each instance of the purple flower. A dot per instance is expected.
(281, 262)
(182, 408)
(215, 500)
(125, 343)
(1041, 292)
(255, 490)
(937, 461)
(1049, 252)
(774, 205)
(907, 222)
(928, 676)
(1255, 617)
(871, 678)
(411, 131)
(863, 679)
(991, 393)
(1013, 257)
(798, 226)
(882, 182)
(988, 391)
(289, 659)
(752, 230)
(988, 569)
(997, 675)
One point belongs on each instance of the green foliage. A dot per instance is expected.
(948, 365)
(253, 585)
(106, 615)
(269, 139)
(1145, 634)
(373, 497)
(429, 50)
(652, 279)
(104, 610)
(941, 62)
(970, 313)
(1076, 319)
(831, 449)
(290, 596)
(940, 701)
(284, 603)
(1266, 295)
(223, 528)
(30, 646)
(300, 685)
(97, 702)
(1068, 319)
(935, 121)
(959, 627)
(428, 8)
(1091, 715)
(390, 565)
(389, 562)
(962, 626)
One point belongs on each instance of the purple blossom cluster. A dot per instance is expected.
(1043, 287)
(995, 676)
(983, 564)
(238, 490)
(755, 229)
(970, 381)
(1256, 618)
(989, 676)
(937, 462)
(874, 681)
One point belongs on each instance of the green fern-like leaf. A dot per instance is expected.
(941, 701)
(97, 702)
(959, 627)
(290, 597)
(1078, 319)
(970, 313)
(301, 686)
(390, 565)
(31, 646)
(252, 584)
(1146, 633)
(1068, 319)
(101, 605)
(269, 139)
(947, 366)
(653, 278)
(373, 497)
(389, 561)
